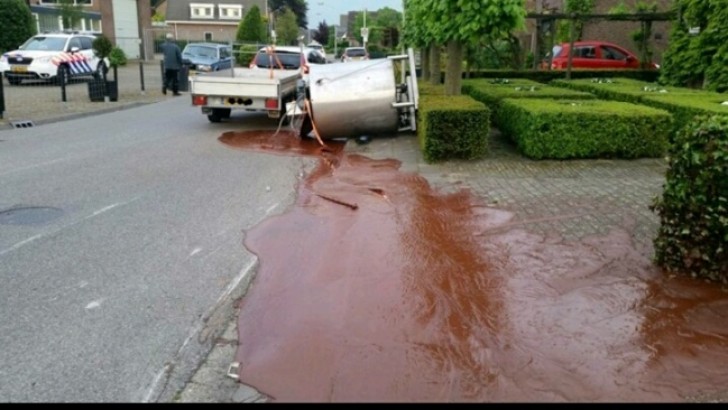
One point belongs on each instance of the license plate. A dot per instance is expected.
(19, 69)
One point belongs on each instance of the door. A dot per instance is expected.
(126, 27)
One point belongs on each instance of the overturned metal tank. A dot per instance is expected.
(363, 97)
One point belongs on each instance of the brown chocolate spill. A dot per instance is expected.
(423, 296)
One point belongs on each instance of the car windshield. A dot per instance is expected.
(356, 52)
(45, 44)
(556, 50)
(289, 61)
(200, 51)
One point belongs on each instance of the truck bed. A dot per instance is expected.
(244, 82)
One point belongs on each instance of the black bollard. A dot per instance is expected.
(141, 73)
(2, 97)
(62, 75)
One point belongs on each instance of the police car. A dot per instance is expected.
(52, 57)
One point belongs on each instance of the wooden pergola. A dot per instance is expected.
(645, 18)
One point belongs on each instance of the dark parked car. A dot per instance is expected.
(206, 57)
(594, 55)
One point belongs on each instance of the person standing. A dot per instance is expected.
(172, 65)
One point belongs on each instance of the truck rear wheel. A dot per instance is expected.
(218, 114)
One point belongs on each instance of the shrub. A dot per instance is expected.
(117, 57)
(102, 47)
(17, 23)
(452, 127)
(621, 89)
(427, 88)
(564, 129)
(493, 92)
(693, 209)
(685, 107)
(544, 76)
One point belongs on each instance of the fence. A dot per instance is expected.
(76, 87)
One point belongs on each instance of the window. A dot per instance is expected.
(208, 36)
(230, 11)
(86, 43)
(585, 52)
(75, 42)
(225, 53)
(201, 10)
(611, 53)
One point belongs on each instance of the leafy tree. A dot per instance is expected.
(158, 18)
(379, 23)
(578, 7)
(251, 28)
(287, 27)
(322, 33)
(460, 22)
(299, 8)
(698, 60)
(71, 13)
(17, 24)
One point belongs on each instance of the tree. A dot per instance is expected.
(251, 28)
(459, 22)
(379, 23)
(698, 59)
(286, 27)
(299, 8)
(576, 7)
(17, 24)
(322, 34)
(71, 13)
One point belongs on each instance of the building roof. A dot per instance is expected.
(179, 10)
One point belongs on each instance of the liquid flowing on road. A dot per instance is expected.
(377, 287)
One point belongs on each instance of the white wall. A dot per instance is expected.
(126, 27)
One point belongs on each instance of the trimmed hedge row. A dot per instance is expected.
(567, 129)
(683, 103)
(693, 234)
(622, 89)
(493, 92)
(685, 107)
(544, 76)
(452, 127)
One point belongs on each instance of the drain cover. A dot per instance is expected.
(29, 215)
(22, 124)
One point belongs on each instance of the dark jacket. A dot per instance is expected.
(172, 56)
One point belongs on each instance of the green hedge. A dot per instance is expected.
(621, 89)
(427, 88)
(544, 76)
(452, 127)
(493, 92)
(565, 129)
(683, 103)
(693, 209)
(685, 107)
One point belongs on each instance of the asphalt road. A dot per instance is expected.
(121, 249)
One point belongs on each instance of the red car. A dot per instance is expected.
(594, 55)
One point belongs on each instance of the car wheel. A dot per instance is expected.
(14, 80)
(63, 76)
(218, 114)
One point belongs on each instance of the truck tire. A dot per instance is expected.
(218, 114)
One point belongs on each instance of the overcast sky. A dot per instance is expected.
(330, 10)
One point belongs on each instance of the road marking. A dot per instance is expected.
(41, 164)
(195, 252)
(271, 209)
(36, 237)
(94, 305)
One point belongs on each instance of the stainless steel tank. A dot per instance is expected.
(353, 99)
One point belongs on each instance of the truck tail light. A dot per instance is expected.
(199, 100)
(271, 104)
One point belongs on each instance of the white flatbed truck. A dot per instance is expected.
(248, 89)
